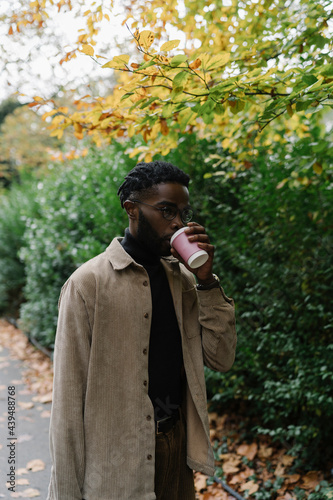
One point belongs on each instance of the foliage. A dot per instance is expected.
(16, 206)
(255, 62)
(7, 107)
(275, 250)
(79, 214)
(273, 240)
(25, 143)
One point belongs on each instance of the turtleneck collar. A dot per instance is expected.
(141, 254)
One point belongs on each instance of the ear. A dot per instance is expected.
(131, 209)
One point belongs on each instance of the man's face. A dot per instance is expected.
(154, 231)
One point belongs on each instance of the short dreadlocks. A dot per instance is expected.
(145, 176)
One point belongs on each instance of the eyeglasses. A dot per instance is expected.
(170, 213)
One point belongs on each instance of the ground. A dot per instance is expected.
(258, 470)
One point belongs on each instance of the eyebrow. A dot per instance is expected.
(171, 204)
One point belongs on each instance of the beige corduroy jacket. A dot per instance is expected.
(102, 433)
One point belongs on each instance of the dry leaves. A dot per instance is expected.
(248, 450)
(245, 466)
(251, 487)
(35, 465)
(248, 466)
(25, 405)
(28, 493)
(38, 375)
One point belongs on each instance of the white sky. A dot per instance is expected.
(43, 74)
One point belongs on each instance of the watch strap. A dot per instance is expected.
(210, 286)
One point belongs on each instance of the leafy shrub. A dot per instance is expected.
(17, 204)
(274, 256)
(79, 215)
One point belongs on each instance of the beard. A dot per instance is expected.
(150, 239)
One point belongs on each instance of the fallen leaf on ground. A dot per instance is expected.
(265, 451)
(293, 478)
(24, 437)
(242, 476)
(21, 471)
(287, 460)
(46, 414)
(46, 398)
(200, 482)
(26, 405)
(28, 493)
(280, 470)
(250, 486)
(230, 463)
(311, 480)
(36, 465)
(248, 450)
(22, 481)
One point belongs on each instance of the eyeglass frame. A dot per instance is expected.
(163, 209)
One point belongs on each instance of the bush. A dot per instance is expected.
(274, 256)
(17, 204)
(79, 215)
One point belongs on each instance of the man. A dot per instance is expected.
(129, 416)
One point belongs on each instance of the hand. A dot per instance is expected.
(197, 233)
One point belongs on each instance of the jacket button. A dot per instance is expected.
(148, 417)
(146, 315)
(145, 283)
(145, 351)
(145, 382)
(149, 457)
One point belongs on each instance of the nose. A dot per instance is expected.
(177, 222)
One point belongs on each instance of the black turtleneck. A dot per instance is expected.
(165, 350)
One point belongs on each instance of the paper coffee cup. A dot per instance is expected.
(188, 250)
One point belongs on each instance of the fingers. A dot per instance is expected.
(196, 232)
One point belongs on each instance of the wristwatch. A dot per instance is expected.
(213, 284)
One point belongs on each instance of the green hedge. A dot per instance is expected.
(79, 215)
(17, 204)
(273, 253)
(274, 256)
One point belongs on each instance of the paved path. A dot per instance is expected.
(27, 448)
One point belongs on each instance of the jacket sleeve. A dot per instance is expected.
(71, 360)
(217, 320)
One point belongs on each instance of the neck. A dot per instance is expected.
(138, 251)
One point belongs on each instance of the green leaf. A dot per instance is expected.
(302, 105)
(147, 64)
(184, 117)
(167, 110)
(328, 102)
(126, 96)
(137, 103)
(319, 40)
(177, 60)
(147, 103)
(180, 79)
(309, 79)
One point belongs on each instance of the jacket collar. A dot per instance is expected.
(121, 259)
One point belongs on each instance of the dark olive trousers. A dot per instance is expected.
(173, 478)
